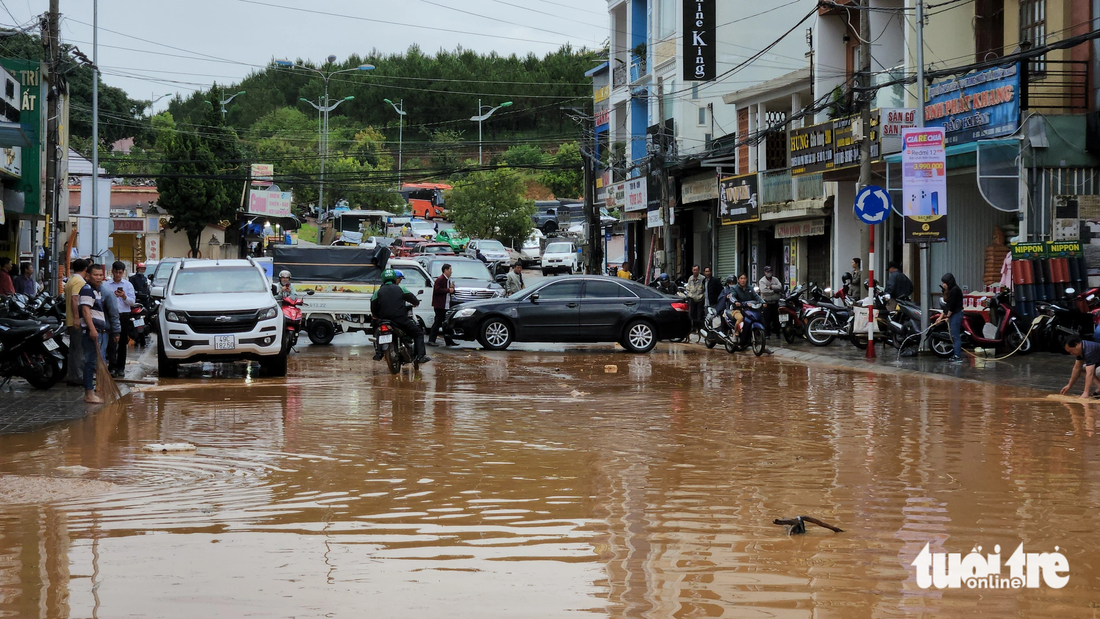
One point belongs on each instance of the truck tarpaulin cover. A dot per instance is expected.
(328, 264)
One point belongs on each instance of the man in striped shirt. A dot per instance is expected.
(94, 329)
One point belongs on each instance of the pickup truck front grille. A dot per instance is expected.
(222, 322)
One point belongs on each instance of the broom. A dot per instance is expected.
(104, 382)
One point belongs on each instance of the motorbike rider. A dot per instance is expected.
(285, 291)
(139, 280)
(734, 296)
(664, 284)
(391, 302)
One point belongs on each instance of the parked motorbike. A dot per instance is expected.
(826, 320)
(1078, 316)
(43, 309)
(1002, 331)
(899, 327)
(790, 315)
(397, 347)
(27, 349)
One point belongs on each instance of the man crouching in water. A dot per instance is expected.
(391, 303)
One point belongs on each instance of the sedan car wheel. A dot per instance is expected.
(639, 337)
(496, 334)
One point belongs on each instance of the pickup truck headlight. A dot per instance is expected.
(175, 316)
(465, 312)
(269, 313)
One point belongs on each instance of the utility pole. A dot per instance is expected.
(53, 154)
(591, 208)
(925, 280)
(95, 129)
(865, 155)
(662, 178)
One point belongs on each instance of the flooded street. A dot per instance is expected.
(589, 482)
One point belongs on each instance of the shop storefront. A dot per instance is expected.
(699, 206)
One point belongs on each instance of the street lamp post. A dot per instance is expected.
(400, 124)
(153, 98)
(482, 118)
(324, 108)
(226, 101)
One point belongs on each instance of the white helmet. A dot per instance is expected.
(284, 273)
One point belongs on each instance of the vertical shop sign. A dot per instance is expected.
(924, 185)
(699, 54)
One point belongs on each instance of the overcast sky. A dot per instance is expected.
(190, 44)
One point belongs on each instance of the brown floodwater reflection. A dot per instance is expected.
(538, 484)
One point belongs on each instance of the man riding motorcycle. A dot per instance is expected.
(285, 291)
(664, 285)
(733, 296)
(391, 303)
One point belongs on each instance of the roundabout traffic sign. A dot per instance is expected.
(872, 205)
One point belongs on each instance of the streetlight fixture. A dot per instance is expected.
(400, 124)
(153, 98)
(323, 108)
(482, 118)
(226, 101)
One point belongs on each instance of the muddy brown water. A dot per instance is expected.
(536, 484)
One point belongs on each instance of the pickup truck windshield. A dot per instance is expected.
(559, 248)
(219, 281)
(491, 245)
(464, 270)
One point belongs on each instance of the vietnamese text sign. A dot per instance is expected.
(152, 247)
(891, 122)
(924, 185)
(811, 148)
(978, 105)
(636, 194)
(700, 59)
(792, 229)
(270, 203)
(737, 199)
(699, 188)
(653, 217)
(263, 171)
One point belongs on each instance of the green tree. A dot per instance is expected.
(568, 180)
(491, 205)
(189, 186)
(522, 155)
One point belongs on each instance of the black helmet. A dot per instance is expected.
(846, 278)
(731, 280)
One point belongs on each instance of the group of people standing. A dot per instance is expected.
(23, 283)
(98, 319)
(704, 290)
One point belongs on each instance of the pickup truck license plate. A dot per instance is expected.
(385, 339)
(50, 345)
(783, 318)
(139, 323)
(224, 342)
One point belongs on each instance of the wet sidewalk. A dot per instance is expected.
(25, 409)
(1039, 370)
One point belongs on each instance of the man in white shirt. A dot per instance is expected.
(121, 291)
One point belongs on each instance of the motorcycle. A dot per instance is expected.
(293, 321)
(899, 327)
(148, 318)
(751, 332)
(1078, 316)
(790, 315)
(1002, 330)
(716, 330)
(825, 320)
(43, 309)
(395, 352)
(27, 349)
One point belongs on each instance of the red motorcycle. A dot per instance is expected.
(790, 315)
(1002, 331)
(293, 322)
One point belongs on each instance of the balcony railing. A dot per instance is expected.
(810, 187)
(637, 68)
(776, 186)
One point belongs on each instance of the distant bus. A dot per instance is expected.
(425, 199)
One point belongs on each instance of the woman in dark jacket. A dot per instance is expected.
(953, 312)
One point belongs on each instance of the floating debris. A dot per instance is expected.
(167, 447)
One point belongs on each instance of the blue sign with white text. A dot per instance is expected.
(977, 106)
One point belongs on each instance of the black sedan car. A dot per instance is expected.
(588, 308)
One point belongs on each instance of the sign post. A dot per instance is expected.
(872, 207)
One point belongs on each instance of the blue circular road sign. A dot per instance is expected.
(872, 205)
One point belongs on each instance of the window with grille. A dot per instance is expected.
(1033, 29)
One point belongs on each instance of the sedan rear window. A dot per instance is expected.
(606, 290)
(227, 280)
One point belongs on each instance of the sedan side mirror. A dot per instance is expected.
(534, 297)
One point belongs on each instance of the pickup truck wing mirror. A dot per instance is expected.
(156, 292)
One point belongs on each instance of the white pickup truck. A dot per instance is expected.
(337, 283)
